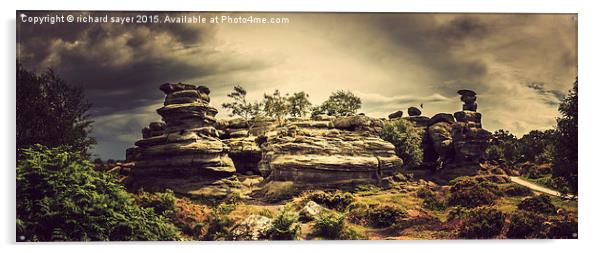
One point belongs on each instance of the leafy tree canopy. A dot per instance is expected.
(340, 103)
(51, 112)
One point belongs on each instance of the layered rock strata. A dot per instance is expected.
(331, 151)
(183, 152)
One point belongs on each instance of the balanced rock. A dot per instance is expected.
(469, 98)
(469, 138)
(414, 111)
(184, 153)
(396, 115)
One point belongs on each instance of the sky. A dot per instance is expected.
(520, 65)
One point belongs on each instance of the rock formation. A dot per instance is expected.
(327, 150)
(469, 98)
(395, 115)
(414, 111)
(240, 135)
(183, 152)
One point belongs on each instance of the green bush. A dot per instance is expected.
(163, 203)
(482, 222)
(430, 199)
(60, 197)
(407, 140)
(285, 226)
(329, 225)
(540, 204)
(514, 190)
(472, 197)
(218, 223)
(334, 200)
(385, 215)
(457, 213)
(524, 224)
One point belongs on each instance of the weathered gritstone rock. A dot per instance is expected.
(470, 140)
(184, 153)
(240, 135)
(344, 150)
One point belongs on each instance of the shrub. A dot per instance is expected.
(468, 192)
(330, 225)
(337, 200)
(517, 190)
(60, 197)
(430, 199)
(285, 225)
(376, 215)
(483, 222)
(524, 225)
(563, 227)
(540, 204)
(218, 222)
(457, 213)
(472, 197)
(407, 140)
(385, 215)
(163, 203)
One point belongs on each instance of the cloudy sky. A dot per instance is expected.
(520, 65)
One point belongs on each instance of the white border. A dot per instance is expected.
(589, 142)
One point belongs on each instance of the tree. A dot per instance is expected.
(536, 144)
(565, 162)
(276, 105)
(340, 103)
(504, 145)
(60, 197)
(250, 112)
(299, 104)
(51, 112)
(407, 140)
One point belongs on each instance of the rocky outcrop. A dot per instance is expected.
(183, 152)
(469, 138)
(328, 151)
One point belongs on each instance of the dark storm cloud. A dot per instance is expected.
(121, 66)
(550, 97)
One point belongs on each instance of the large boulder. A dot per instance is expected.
(183, 153)
(253, 228)
(315, 154)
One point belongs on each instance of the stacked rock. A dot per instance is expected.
(184, 153)
(328, 151)
(469, 138)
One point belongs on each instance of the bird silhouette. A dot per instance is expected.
(421, 105)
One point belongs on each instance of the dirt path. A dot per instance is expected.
(537, 187)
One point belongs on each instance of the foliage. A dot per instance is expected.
(285, 226)
(407, 140)
(524, 224)
(163, 203)
(468, 192)
(299, 104)
(563, 227)
(565, 162)
(457, 213)
(51, 112)
(60, 197)
(329, 224)
(276, 105)
(218, 222)
(503, 146)
(535, 146)
(539, 204)
(334, 200)
(276, 191)
(250, 112)
(340, 103)
(513, 190)
(483, 222)
(385, 215)
(431, 201)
